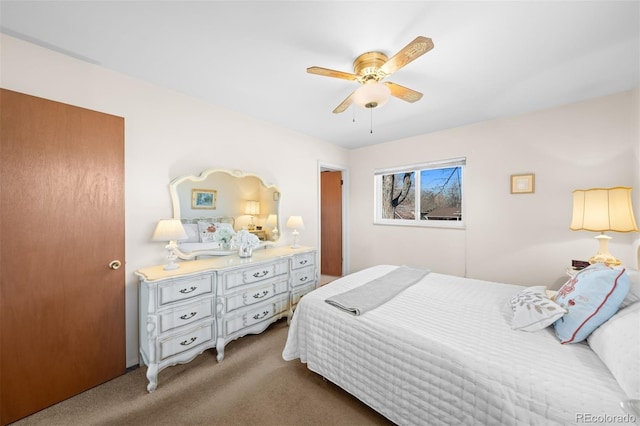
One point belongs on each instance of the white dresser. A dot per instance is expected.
(209, 302)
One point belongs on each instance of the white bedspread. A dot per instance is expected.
(442, 353)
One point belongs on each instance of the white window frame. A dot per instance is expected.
(417, 168)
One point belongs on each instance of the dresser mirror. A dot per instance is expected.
(242, 200)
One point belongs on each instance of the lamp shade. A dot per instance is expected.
(253, 207)
(371, 95)
(272, 220)
(603, 209)
(295, 222)
(169, 230)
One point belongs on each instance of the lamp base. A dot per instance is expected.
(295, 234)
(170, 266)
(603, 255)
(171, 257)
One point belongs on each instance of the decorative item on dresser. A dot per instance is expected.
(272, 222)
(170, 230)
(295, 223)
(252, 209)
(239, 200)
(260, 233)
(210, 302)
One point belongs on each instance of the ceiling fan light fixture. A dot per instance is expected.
(371, 95)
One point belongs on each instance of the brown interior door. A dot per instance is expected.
(331, 223)
(61, 224)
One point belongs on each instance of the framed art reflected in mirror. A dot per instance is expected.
(204, 198)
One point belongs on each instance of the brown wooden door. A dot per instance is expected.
(61, 224)
(331, 223)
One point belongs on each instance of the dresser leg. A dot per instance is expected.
(152, 376)
(220, 350)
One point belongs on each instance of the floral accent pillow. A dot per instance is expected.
(591, 297)
(206, 230)
(533, 311)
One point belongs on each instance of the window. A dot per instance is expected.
(427, 194)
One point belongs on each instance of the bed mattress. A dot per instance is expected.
(442, 353)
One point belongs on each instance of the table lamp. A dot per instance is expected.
(272, 222)
(295, 223)
(253, 208)
(170, 230)
(601, 210)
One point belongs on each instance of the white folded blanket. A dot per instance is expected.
(378, 291)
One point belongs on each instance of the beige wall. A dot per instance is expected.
(522, 238)
(517, 238)
(169, 135)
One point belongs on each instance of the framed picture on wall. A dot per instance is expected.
(523, 184)
(203, 198)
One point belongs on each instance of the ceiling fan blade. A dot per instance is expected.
(344, 105)
(411, 51)
(331, 73)
(403, 93)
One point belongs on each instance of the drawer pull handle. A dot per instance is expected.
(261, 295)
(189, 290)
(303, 279)
(188, 316)
(303, 262)
(261, 274)
(188, 342)
(260, 316)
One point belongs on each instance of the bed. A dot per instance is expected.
(443, 352)
(199, 240)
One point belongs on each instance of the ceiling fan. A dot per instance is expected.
(371, 68)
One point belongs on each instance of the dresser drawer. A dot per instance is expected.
(256, 294)
(262, 313)
(254, 274)
(303, 260)
(303, 276)
(190, 339)
(183, 289)
(186, 315)
(298, 292)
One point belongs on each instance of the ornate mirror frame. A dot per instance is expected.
(224, 195)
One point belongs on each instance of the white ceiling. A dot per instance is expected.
(491, 58)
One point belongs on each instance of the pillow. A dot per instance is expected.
(634, 288)
(533, 311)
(591, 297)
(193, 234)
(206, 230)
(617, 343)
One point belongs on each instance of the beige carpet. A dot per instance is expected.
(253, 385)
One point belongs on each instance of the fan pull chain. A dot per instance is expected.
(371, 121)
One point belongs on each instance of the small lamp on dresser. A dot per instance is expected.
(272, 222)
(252, 209)
(170, 230)
(295, 223)
(601, 210)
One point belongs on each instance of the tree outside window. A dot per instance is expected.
(427, 194)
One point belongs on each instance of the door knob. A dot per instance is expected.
(115, 264)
